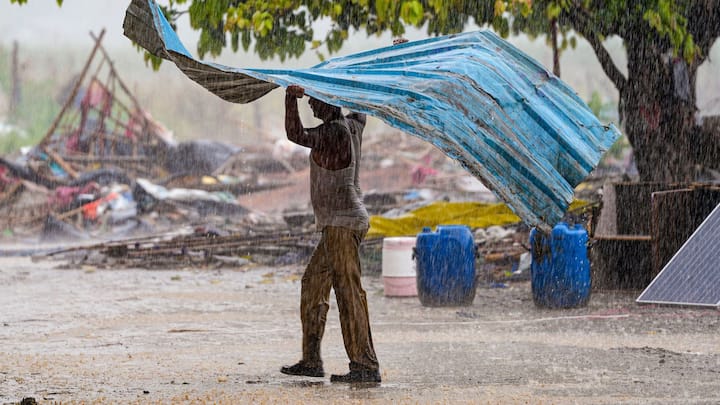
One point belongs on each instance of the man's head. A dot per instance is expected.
(324, 111)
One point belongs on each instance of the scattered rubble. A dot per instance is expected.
(107, 169)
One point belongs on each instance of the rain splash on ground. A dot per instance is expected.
(208, 336)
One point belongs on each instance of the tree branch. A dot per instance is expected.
(583, 24)
(704, 24)
(611, 70)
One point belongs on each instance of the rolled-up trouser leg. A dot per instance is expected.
(344, 258)
(314, 298)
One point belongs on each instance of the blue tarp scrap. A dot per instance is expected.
(506, 119)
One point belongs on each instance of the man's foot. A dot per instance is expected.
(357, 376)
(302, 369)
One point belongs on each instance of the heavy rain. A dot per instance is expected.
(506, 202)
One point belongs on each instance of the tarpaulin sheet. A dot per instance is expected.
(472, 214)
(507, 120)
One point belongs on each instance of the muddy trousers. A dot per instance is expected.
(335, 263)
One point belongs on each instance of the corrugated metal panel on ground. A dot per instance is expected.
(507, 120)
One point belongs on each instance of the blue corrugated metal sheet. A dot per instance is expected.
(518, 128)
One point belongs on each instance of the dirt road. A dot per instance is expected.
(190, 336)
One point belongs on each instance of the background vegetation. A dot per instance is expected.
(38, 107)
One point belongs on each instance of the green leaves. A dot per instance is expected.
(412, 12)
(553, 10)
(262, 22)
(153, 60)
(500, 7)
(666, 19)
(382, 10)
(207, 12)
(21, 2)
(501, 26)
(284, 28)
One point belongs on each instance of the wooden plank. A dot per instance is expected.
(630, 238)
(106, 159)
(61, 162)
(675, 216)
(633, 205)
(620, 263)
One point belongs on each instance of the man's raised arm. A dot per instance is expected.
(293, 124)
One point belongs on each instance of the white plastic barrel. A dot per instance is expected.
(398, 267)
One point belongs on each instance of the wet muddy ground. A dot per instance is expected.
(191, 336)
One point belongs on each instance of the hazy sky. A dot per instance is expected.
(41, 23)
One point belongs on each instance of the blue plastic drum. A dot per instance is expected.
(445, 266)
(560, 268)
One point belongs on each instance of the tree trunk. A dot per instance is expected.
(554, 44)
(658, 115)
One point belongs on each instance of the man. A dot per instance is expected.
(341, 217)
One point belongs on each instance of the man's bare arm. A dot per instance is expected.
(293, 124)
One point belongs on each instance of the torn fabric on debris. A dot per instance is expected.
(507, 120)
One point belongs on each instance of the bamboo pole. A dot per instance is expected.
(74, 91)
(114, 72)
(68, 102)
(15, 93)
